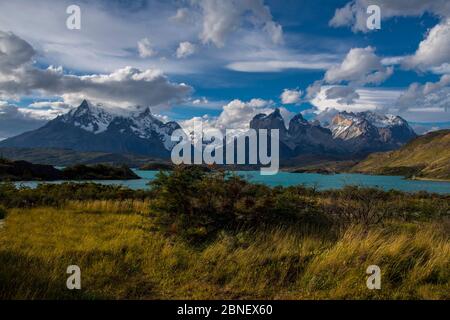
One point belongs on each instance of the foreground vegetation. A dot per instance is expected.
(222, 238)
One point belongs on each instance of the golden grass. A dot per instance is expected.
(121, 257)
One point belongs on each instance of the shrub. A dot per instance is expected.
(196, 205)
(58, 194)
(2, 213)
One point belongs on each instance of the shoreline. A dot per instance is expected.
(428, 179)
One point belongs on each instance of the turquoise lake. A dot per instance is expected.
(320, 181)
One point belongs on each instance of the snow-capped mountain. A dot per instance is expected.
(348, 133)
(95, 128)
(90, 118)
(370, 131)
(302, 136)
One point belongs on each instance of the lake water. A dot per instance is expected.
(320, 181)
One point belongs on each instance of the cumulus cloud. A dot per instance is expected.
(237, 114)
(433, 51)
(123, 87)
(354, 13)
(220, 18)
(145, 48)
(360, 66)
(430, 95)
(185, 49)
(291, 96)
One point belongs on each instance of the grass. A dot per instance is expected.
(122, 256)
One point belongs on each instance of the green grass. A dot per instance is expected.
(122, 256)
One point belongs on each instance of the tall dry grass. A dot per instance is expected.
(110, 206)
(122, 257)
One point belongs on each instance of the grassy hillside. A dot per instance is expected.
(427, 156)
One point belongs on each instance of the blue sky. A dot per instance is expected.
(225, 60)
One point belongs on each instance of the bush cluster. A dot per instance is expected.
(195, 204)
(58, 194)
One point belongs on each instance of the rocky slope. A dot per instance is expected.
(367, 132)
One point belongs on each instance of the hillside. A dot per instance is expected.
(68, 157)
(427, 156)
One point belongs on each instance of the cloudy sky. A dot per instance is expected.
(224, 60)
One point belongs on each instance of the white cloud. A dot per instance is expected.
(313, 89)
(93, 50)
(304, 63)
(181, 15)
(13, 121)
(237, 114)
(185, 49)
(124, 87)
(360, 66)
(368, 99)
(354, 14)
(200, 101)
(291, 96)
(428, 96)
(145, 48)
(433, 52)
(221, 18)
(385, 101)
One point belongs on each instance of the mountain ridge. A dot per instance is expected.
(89, 128)
(95, 129)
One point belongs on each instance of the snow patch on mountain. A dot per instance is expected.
(143, 123)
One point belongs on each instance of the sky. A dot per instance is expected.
(224, 60)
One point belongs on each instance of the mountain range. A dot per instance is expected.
(94, 128)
